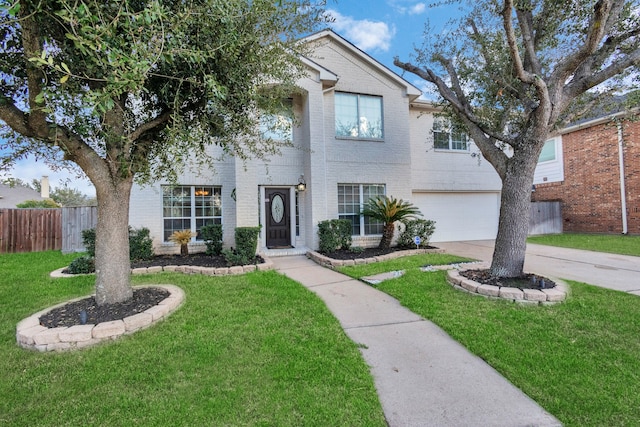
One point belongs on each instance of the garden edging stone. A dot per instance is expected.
(524, 296)
(31, 335)
(185, 269)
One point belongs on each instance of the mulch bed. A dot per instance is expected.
(71, 314)
(528, 281)
(197, 259)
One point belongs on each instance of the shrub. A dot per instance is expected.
(82, 265)
(423, 228)
(246, 246)
(140, 244)
(182, 237)
(212, 236)
(38, 204)
(89, 241)
(334, 234)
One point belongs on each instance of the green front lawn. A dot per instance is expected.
(615, 244)
(257, 349)
(580, 360)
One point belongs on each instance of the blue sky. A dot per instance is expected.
(382, 28)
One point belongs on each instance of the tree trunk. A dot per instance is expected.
(513, 225)
(387, 236)
(184, 249)
(113, 268)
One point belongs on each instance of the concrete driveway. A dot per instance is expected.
(618, 272)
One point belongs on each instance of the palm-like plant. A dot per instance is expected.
(388, 210)
(182, 237)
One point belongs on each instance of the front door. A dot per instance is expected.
(277, 210)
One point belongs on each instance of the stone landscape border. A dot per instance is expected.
(553, 295)
(333, 263)
(186, 269)
(30, 334)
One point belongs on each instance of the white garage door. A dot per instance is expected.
(460, 216)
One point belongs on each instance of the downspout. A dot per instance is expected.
(623, 192)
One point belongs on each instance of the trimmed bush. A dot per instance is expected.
(212, 236)
(423, 228)
(246, 246)
(140, 244)
(334, 234)
(89, 241)
(82, 265)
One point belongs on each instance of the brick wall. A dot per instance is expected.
(590, 192)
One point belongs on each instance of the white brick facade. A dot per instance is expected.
(400, 160)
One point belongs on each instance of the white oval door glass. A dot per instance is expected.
(277, 208)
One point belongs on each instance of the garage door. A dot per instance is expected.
(460, 216)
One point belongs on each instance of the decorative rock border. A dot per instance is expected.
(333, 263)
(186, 269)
(31, 335)
(553, 295)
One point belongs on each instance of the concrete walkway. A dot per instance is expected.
(423, 377)
(618, 272)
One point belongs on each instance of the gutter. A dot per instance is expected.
(623, 192)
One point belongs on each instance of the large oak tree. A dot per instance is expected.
(513, 72)
(134, 88)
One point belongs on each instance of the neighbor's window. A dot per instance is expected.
(448, 137)
(351, 201)
(278, 127)
(548, 152)
(358, 116)
(189, 207)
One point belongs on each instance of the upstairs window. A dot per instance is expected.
(358, 116)
(448, 137)
(278, 127)
(548, 153)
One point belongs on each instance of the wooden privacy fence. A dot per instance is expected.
(74, 221)
(30, 230)
(35, 230)
(545, 218)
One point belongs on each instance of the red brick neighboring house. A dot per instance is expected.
(596, 175)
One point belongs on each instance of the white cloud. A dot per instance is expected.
(417, 9)
(367, 35)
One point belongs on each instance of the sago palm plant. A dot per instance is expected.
(182, 237)
(388, 210)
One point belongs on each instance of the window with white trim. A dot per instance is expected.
(351, 201)
(447, 137)
(278, 127)
(190, 207)
(548, 153)
(358, 116)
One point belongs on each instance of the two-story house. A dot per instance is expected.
(361, 131)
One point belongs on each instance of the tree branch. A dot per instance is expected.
(162, 119)
(484, 138)
(601, 21)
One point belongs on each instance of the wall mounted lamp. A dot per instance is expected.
(302, 185)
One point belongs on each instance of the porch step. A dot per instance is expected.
(272, 253)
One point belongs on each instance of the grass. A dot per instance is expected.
(257, 349)
(580, 360)
(615, 244)
(403, 263)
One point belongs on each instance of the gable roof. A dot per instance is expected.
(11, 196)
(411, 91)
